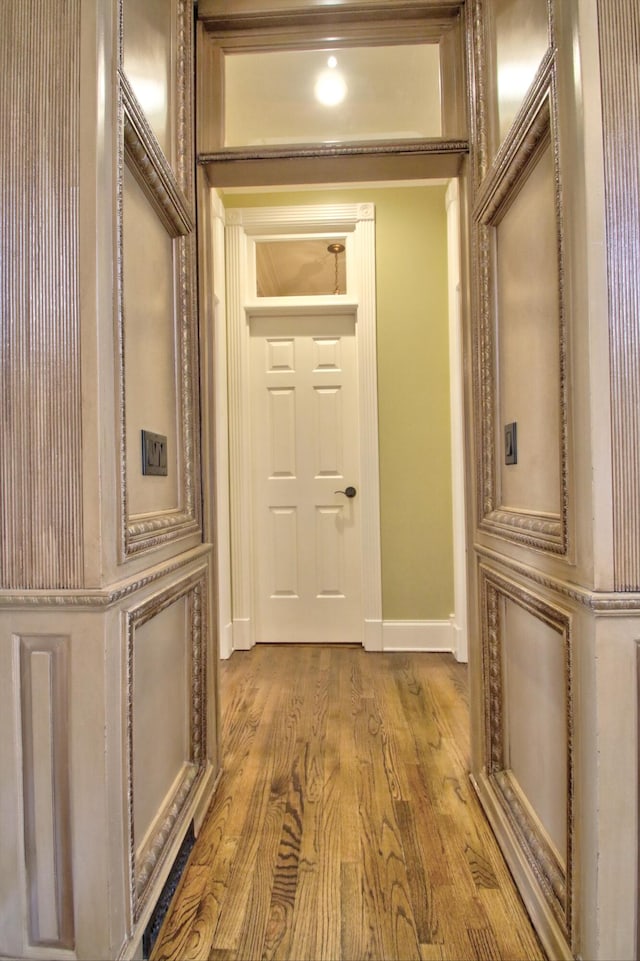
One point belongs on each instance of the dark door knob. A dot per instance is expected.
(348, 492)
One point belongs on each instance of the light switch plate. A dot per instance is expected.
(154, 453)
(511, 443)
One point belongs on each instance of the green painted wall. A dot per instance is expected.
(413, 390)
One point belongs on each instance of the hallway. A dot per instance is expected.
(344, 825)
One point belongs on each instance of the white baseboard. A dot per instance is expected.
(225, 642)
(372, 636)
(433, 636)
(242, 634)
(460, 648)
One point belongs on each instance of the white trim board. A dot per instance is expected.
(420, 636)
(338, 185)
(452, 203)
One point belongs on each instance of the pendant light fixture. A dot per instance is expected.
(336, 249)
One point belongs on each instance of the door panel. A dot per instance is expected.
(304, 414)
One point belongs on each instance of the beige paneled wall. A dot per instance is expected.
(528, 335)
(151, 395)
(554, 761)
(107, 666)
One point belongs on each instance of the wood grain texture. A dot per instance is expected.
(619, 24)
(344, 826)
(41, 533)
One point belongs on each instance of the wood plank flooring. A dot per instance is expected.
(344, 826)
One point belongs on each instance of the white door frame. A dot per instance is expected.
(456, 361)
(356, 222)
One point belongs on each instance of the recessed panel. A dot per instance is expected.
(282, 436)
(327, 353)
(535, 716)
(529, 342)
(280, 355)
(161, 710)
(521, 41)
(309, 96)
(44, 667)
(284, 552)
(328, 435)
(148, 31)
(329, 552)
(150, 376)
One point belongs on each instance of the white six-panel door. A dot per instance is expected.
(304, 417)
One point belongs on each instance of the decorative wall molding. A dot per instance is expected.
(532, 124)
(374, 21)
(519, 147)
(43, 662)
(153, 172)
(601, 602)
(171, 195)
(478, 97)
(105, 597)
(538, 129)
(185, 89)
(619, 24)
(312, 217)
(553, 870)
(41, 504)
(378, 148)
(145, 867)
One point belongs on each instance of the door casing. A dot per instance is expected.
(356, 224)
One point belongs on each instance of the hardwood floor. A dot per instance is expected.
(344, 826)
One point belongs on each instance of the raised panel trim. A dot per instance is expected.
(147, 161)
(537, 129)
(145, 867)
(171, 195)
(44, 709)
(100, 599)
(610, 602)
(484, 107)
(553, 874)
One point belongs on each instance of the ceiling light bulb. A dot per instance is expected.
(330, 88)
(332, 63)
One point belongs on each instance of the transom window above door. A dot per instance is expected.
(301, 267)
(387, 92)
(325, 91)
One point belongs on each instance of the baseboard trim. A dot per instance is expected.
(372, 635)
(242, 634)
(425, 636)
(225, 642)
(420, 636)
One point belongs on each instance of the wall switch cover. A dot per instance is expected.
(154, 453)
(511, 443)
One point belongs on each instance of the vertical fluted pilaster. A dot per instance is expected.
(619, 22)
(40, 428)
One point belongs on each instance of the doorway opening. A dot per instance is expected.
(421, 401)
